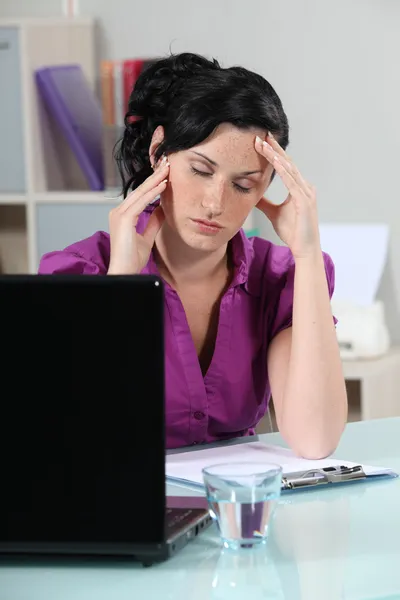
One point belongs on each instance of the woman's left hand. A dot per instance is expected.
(295, 220)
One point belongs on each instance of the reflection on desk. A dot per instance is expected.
(309, 555)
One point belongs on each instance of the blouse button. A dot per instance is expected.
(198, 415)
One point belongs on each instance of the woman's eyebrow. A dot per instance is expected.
(205, 158)
(212, 162)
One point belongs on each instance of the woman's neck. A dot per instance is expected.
(181, 265)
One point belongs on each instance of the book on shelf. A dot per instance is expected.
(76, 112)
(118, 78)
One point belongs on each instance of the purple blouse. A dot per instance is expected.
(233, 395)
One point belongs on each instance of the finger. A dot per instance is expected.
(272, 142)
(139, 204)
(154, 225)
(293, 168)
(155, 179)
(291, 184)
(270, 149)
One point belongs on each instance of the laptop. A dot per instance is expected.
(82, 440)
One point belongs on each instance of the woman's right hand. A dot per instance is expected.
(130, 251)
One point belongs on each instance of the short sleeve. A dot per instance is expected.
(90, 256)
(284, 311)
(67, 263)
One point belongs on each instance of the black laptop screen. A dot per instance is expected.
(82, 409)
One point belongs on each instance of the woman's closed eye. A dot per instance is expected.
(199, 172)
(239, 188)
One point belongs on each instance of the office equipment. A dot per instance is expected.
(77, 112)
(186, 468)
(361, 330)
(359, 252)
(379, 384)
(83, 364)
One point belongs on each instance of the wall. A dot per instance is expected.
(335, 66)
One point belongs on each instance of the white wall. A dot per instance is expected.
(335, 66)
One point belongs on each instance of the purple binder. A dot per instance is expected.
(67, 95)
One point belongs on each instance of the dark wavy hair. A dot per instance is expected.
(190, 96)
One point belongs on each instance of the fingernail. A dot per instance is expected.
(258, 139)
(270, 135)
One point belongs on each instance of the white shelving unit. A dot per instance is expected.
(44, 205)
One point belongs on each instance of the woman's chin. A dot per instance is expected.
(203, 243)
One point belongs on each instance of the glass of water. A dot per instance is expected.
(242, 499)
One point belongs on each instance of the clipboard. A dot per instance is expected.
(310, 479)
(185, 468)
(331, 475)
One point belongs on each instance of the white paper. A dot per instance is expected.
(187, 466)
(359, 252)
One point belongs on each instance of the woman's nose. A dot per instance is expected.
(214, 198)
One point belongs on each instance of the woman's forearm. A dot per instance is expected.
(314, 407)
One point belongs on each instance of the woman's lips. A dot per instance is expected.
(207, 226)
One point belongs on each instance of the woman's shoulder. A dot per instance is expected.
(90, 256)
(272, 264)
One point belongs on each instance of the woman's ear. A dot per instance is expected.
(156, 140)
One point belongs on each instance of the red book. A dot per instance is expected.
(131, 71)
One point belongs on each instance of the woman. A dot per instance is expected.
(244, 317)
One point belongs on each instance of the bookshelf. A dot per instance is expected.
(31, 182)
